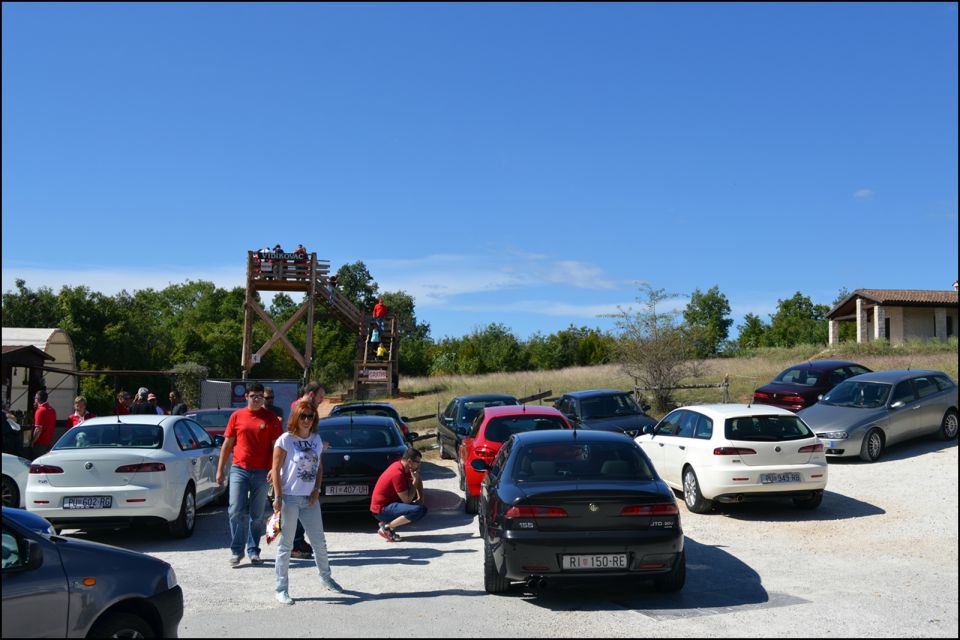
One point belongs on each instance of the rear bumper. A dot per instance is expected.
(719, 482)
(158, 503)
(523, 556)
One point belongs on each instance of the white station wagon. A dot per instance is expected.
(736, 452)
(122, 469)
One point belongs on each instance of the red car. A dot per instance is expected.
(801, 385)
(491, 428)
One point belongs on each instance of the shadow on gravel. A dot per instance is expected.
(431, 471)
(349, 597)
(835, 506)
(717, 582)
(210, 532)
(902, 451)
(395, 554)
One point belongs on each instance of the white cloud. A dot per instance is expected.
(863, 194)
(112, 281)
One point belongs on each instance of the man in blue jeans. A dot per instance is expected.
(249, 436)
(398, 495)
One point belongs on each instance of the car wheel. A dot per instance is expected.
(121, 625)
(443, 452)
(493, 582)
(182, 527)
(11, 494)
(948, 429)
(677, 577)
(470, 503)
(872, 446)
(809, 503)
(691, 493)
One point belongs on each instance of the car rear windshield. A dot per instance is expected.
(766, 428)
(608, 407)
(211, 419)
(500, 429)
(367, 411)
(851, 393)
(600, 461)
(359, 437)
(802, 376)
(470, 409)
(112, 436)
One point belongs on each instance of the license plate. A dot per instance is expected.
(771, 478)
(601, 561)
(88, 502)
(347, 490)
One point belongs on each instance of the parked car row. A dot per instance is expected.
(559, 499)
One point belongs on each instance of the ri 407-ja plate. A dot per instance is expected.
(347, 490)
(594, 562)
(771, 478)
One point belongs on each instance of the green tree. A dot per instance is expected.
(751, 332)
(797, 321)
(652, 347)
(31, 309)
(707, 321)
(357, 285)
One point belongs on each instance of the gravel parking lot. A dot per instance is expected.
(878, 558)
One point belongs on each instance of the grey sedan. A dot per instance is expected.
(866, 413)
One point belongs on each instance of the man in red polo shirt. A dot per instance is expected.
(249, 436)
(398, 495)
(44, 424)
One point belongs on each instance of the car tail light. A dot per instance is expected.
(44, 468)
(793, 399)
(143, 467)
(535, 512)
(485, 453)
(811, 448)
(732, 451)
(759, 395)
(650, 510)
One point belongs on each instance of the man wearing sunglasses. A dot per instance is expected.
(249, 436)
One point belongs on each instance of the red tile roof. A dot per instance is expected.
(889, 296)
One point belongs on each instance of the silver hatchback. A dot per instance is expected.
(866, 413)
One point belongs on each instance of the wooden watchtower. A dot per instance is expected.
(290, 272)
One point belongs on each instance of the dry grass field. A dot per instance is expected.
(424, 395)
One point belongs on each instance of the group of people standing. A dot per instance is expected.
(291, 461)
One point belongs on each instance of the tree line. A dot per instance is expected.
(200, 323)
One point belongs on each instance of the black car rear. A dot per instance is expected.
(569, 505)
(359, 450)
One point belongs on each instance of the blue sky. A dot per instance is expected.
(530, 164)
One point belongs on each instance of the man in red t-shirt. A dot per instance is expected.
(249, 436)
(44, 424)
(398, 495)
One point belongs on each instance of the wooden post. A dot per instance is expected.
(726, 388)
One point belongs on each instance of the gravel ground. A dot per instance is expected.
(877, 559)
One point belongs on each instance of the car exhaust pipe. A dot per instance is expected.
(740, 497)
(537, 583)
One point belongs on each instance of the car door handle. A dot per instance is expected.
(212, 458)
(682, 447)
(193, 461)
(660, 443)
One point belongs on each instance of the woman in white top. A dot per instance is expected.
(297, 475)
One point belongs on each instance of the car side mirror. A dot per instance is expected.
(33, 555)
(645, 407)
(218, 441)
(412, 436)
(479, 465)
(650, 429)
(897, 404)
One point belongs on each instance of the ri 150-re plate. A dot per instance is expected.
(594, 562)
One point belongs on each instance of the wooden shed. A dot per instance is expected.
(22, 377)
